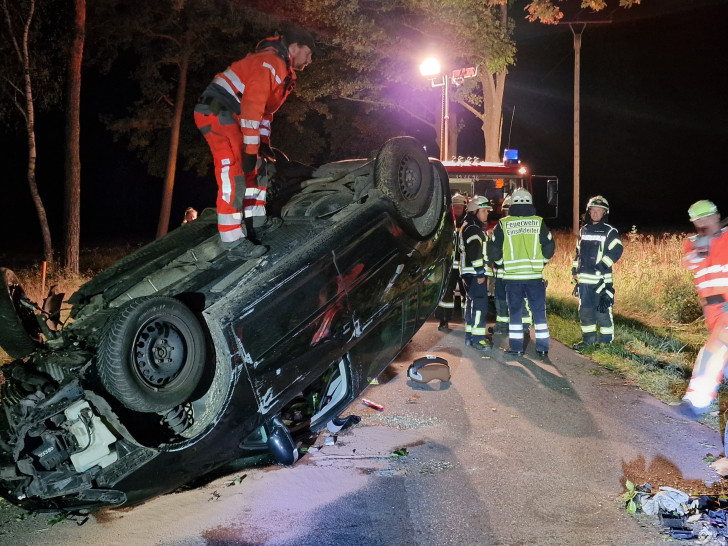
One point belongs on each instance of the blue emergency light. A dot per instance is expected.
(510, 156)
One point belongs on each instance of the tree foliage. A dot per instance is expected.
(550, 12)
(30, 80)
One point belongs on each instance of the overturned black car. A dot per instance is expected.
(177, 360)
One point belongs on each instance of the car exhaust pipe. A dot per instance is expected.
(280, 442)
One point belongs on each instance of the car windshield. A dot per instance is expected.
(493, 187)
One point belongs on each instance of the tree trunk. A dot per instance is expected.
(72, 202)
(32, 148)
(166, 207)
(493, 85)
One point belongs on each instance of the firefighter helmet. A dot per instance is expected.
(598, 201)
(521, 197)
(478, 202)
(701, 209)
(459, 199)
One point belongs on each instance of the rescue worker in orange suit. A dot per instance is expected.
(597, 249)
(447, 303)
(234, 114)
(706, 255)
(475, 268)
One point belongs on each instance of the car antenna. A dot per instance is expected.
(513, 115)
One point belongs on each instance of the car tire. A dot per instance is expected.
(402, 172)
(422, 227)
(19, 328)
(152, 354)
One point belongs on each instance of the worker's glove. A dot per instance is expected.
(266, 152)
(606, 297)
(249, 163)
(575, 291)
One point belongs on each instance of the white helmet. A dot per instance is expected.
(478, 202)
(459, 199)
(521, 197)
(598, 201)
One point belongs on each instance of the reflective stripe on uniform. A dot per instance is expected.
(233, 77)
(226, 189)
(249, 124)
(233, 219)
(273, 71)
(541, 330)
(222, 82)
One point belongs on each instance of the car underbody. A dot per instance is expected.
(178, 359)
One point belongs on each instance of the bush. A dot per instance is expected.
(680, 301)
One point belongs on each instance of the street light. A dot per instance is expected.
(430, 68)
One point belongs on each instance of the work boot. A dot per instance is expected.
(482, 345)
(444, 326)
(579, 347)
(244, 249)
(542, 355)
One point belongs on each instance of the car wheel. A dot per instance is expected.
(19, 328)
(152, 354)
(402, 172)
(423, 226)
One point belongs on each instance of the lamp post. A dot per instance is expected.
(430, 68)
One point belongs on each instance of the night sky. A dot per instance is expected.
(654, 130)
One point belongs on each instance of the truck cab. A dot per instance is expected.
(495, 181)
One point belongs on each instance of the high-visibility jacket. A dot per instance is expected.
(254, 88)
(472, 244)
(598, 247)
(708, 260)
(522, 245)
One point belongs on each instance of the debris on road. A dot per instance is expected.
(682, 516)
(371, 404)
(429, 368)
(668, 499)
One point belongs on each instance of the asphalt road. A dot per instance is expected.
(507, 453)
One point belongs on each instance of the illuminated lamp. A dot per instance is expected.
(510, 156)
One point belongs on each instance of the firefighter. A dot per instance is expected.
(706, 255)
(474, 268)
(447, 304)
(522, 245)
(499, 293)
(598, 248)
(234, 114)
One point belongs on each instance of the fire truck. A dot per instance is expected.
(496, 181)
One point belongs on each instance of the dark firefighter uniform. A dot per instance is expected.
(234, 114)
(474, 265)
(598, 247)
(522, 245)
(447, 303)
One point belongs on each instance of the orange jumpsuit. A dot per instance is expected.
(709, 264)
(234, 114)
